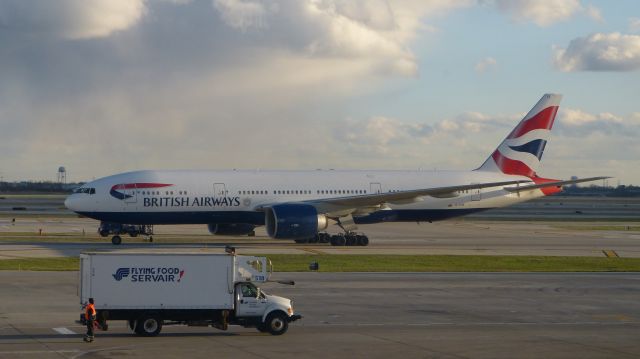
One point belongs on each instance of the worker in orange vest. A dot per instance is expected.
(90, 316)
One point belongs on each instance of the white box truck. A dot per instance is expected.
(150, 290)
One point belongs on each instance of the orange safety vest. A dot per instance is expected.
(91, 312)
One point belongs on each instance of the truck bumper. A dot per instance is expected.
(294, 317)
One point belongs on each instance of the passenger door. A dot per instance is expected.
(476, 195)
(130, 195)
(248, 304)
(375, 187)
(219, 190)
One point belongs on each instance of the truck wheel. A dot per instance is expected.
(116, 240)
(277, 323)
(149, 326)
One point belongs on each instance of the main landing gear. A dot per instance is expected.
(341, 239)
(349, 239)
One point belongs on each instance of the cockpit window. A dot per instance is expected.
(86, 190)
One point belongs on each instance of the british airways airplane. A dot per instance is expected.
(300, 205)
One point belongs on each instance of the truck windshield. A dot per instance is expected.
(249, 290)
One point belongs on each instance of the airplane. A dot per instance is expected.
(300, 205)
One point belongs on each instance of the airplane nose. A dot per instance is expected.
(69, 203)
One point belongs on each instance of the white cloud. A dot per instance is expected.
(578, 123)
(581, 143)
(190, 81)
(634, 24)
(243, 14)
(72, 19)
(379, 134)
(486, 64)
(600, 52)
(540, 12)
(594, 13)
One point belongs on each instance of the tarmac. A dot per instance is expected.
(359, 315)
(449, 237)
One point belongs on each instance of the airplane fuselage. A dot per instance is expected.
(209, 197)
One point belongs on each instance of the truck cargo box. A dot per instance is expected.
(121, 280)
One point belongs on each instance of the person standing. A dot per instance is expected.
(90, 317)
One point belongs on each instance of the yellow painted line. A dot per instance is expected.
(314, 251)
(610, 253)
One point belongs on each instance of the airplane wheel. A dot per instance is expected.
(301, 241)
(362, 240)
(338, 240)
(351, 240)
(116, 240)
(324, 238)
(314, 239)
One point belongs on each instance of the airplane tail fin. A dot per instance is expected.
(520, 153)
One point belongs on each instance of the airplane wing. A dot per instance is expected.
(401, 197)
(552, 184)
(339, 206)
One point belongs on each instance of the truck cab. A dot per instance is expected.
(268, 313)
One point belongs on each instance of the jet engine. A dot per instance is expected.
(294, 221)
(231, 229)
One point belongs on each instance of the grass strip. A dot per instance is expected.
(452, 263)
(393, 263)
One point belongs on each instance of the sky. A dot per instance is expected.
(108, 86)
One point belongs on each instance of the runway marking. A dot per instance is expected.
(314, 251)
(101, 350)
(610, 253)
(617, 323)
(64, 331)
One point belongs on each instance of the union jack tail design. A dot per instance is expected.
(520, 153)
